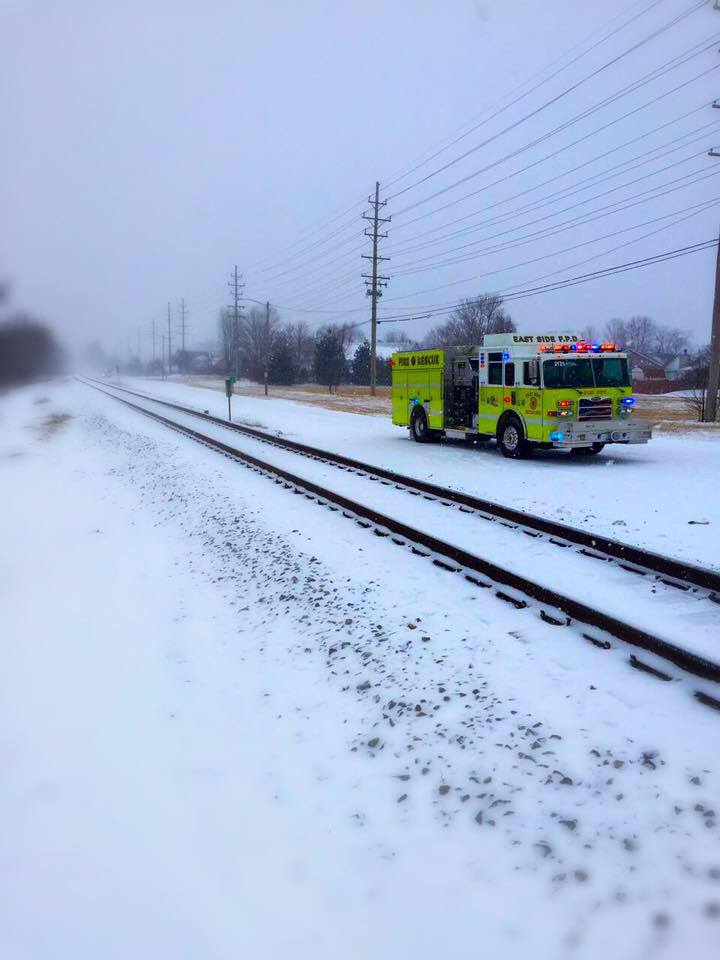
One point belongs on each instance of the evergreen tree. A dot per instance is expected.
(282, 368)
(361, 364)
(330, 363)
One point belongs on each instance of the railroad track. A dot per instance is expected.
(553, 607)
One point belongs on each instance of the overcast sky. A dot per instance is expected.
(149, 146)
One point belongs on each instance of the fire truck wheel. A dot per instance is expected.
(511, 439)
(587, 451)
(421, 433)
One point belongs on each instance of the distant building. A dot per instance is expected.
(645, 367)
(655, 375)
(680, 367)
(198, 361)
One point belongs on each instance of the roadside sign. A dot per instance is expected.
(229, 381)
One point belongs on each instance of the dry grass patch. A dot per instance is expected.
(50, 426)
(347, 399)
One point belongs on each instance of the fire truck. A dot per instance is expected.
(528, 391)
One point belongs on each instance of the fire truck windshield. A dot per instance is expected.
(586, 372)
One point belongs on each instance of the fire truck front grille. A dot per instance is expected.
(595, 408)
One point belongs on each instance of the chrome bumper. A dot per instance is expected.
(582, 434)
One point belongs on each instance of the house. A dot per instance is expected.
(680, 367)
(645, 367)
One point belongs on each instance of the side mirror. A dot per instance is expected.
(534, 373)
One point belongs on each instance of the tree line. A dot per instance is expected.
(642, 335)
(293, 353)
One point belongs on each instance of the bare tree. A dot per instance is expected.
(255, 338)
(616, 332)
(302, 343)
(696, 398)
(225, 338)
(641, 334)
(670, 341)
(398, 338)
(470, 321)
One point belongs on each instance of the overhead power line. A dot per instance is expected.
(566, 173)
(564, 148)
(552, 100)
(272, 259)
(681, 215)
(583, 278)
(618, 95)
(652, 194)
(582, 219)
(343, 280)
(602, 176)
(492, 113)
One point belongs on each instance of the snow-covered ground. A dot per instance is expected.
(660, 495)
(234, 724)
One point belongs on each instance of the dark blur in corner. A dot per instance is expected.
(28, 349)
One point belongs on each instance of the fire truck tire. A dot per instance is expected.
(587, 451)
(511, 438)
(419, 428)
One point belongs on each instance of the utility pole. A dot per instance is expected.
(713, 381)
(169, 340)
(182, 328)
(162, 355)
(237, 288)
(374, 281)
(153, 330)
(267, 343)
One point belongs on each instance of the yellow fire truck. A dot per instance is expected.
(527, 391)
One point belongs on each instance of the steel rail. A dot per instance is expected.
(680, 573)
(563, 609)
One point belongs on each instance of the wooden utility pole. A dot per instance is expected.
(713, 381)
(153, 328)
(267, 343)
(374, 281)
(169, 340)
(237, 288)
(182, 327)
